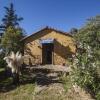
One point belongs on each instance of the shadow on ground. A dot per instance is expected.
(46, 78)
(6, 81)
(28, 77)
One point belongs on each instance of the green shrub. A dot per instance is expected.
(67, 84)
(2, 62)
(98, 95)
(85, 69)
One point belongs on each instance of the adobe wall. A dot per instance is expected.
(64, 47)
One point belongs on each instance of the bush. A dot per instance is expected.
(85, 69)
(2, 62)
(98, 95)
(66, 80)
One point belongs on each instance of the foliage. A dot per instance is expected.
(73, 31)
(2, 62)
(11, 31)
(11, 39)
(94, 20)
(86, 65)
(66, 80)
(90, 35)
(85, 72)
(10, 18)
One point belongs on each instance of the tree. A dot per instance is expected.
(73, 31)
(94, 20)
(11, 39)
(10, 18)
(87, 61)
(90, 34)
(12, 33)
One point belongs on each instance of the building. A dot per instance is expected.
(48, 46)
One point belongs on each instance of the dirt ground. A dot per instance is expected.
(40, 85)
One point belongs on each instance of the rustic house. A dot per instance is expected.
(48, 46)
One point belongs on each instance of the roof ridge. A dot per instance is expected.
(57, 30)
(47, 27)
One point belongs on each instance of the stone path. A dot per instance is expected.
(43, 81)
(49, 88)
(52, 68)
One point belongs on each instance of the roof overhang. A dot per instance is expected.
(47, 28)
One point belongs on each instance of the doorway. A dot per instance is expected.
(47, 53)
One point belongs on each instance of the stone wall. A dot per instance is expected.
(64, 47)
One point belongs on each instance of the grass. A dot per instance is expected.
(11, 92)
(4, 81)
(23, 92)
(67, 84)
(57, 92)
(2, 69)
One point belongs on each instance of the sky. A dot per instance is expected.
(59, 14)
